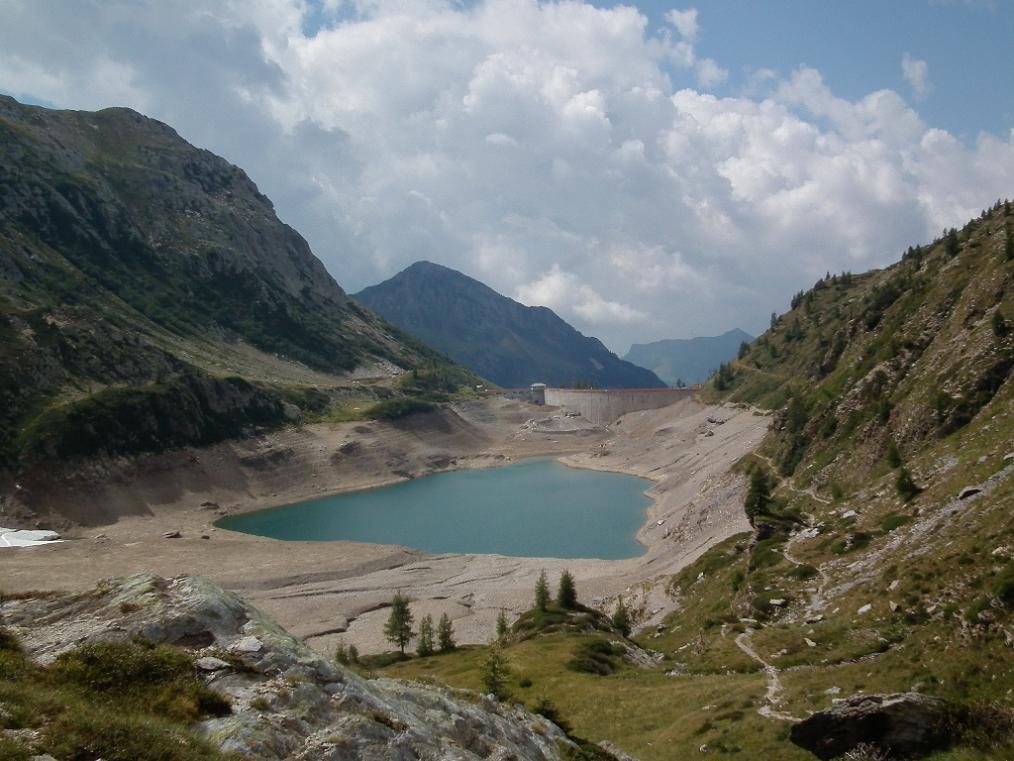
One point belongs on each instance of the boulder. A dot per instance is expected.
(288, 702)
(902, 724)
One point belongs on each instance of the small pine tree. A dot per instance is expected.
(951, 245)
(906, 487)
(621, 619)
(893, 455)
(566, 593)
(425, 645)
(495, 673)
(398, 628)
(542, 592)
(502, 630)
(445, 634)
(1000, 326)
(758, 496)
(341, 654)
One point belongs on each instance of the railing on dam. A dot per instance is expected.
(601, 405)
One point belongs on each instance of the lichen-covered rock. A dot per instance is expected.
(288, 702)
(902, 724)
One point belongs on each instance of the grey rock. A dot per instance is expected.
(211, 663)
(308, 708)
(902, 724)
(248, 645)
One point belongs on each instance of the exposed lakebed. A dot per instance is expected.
(537, 508)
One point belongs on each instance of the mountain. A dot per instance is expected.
(691, 360)
(509, 343)
(150, 297)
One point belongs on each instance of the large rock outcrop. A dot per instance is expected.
(288, 702)
(901, 724)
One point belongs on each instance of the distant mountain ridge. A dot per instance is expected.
(509, 343)
(692, 360)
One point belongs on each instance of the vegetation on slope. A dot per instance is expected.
(121, 701)
(145, 281)
(882, 552)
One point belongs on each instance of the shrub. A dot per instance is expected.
(395, 409)
(906, 487)
(892, 521)
(159, 676)
(595, 657)
(804, 572)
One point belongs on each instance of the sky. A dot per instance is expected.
(647, 170)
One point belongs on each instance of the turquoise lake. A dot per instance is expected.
(536, 508)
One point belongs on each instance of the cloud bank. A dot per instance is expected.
(567, 155)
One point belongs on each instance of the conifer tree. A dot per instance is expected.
(566, 593)
(951, 242)
(541, 592)
(495, 673)
(621, 618)
(758, 496)
(425, 646)
(398, 628)
(445, 634)
(502, 629)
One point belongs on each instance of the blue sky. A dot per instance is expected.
(648, 172)
(858, 45)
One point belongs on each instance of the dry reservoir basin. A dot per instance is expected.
(537, 508)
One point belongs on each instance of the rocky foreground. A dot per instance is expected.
(287, 702)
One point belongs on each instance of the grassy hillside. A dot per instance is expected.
(874, 565)
(151, 298)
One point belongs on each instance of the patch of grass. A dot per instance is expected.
(596, 656)
(395, 409)
(121, 701)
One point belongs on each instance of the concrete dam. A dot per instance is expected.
(604, 405)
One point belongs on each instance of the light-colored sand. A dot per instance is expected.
(324, 591)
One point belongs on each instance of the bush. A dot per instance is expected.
(893, 521)
(160, 677)
(804, 572)
(906, 487)
(595, 657)
(395, 409)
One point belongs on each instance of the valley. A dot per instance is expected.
(325, 590)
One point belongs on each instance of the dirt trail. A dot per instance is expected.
(788, 483)
(774, 689)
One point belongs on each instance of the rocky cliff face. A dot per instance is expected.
(287, 702)
(500, 339)
(129, 258)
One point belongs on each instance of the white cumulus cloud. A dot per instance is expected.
(916, 73)
(568, 155)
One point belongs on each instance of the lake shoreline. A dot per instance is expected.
(327, 591)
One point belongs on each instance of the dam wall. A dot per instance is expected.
(603, 405)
